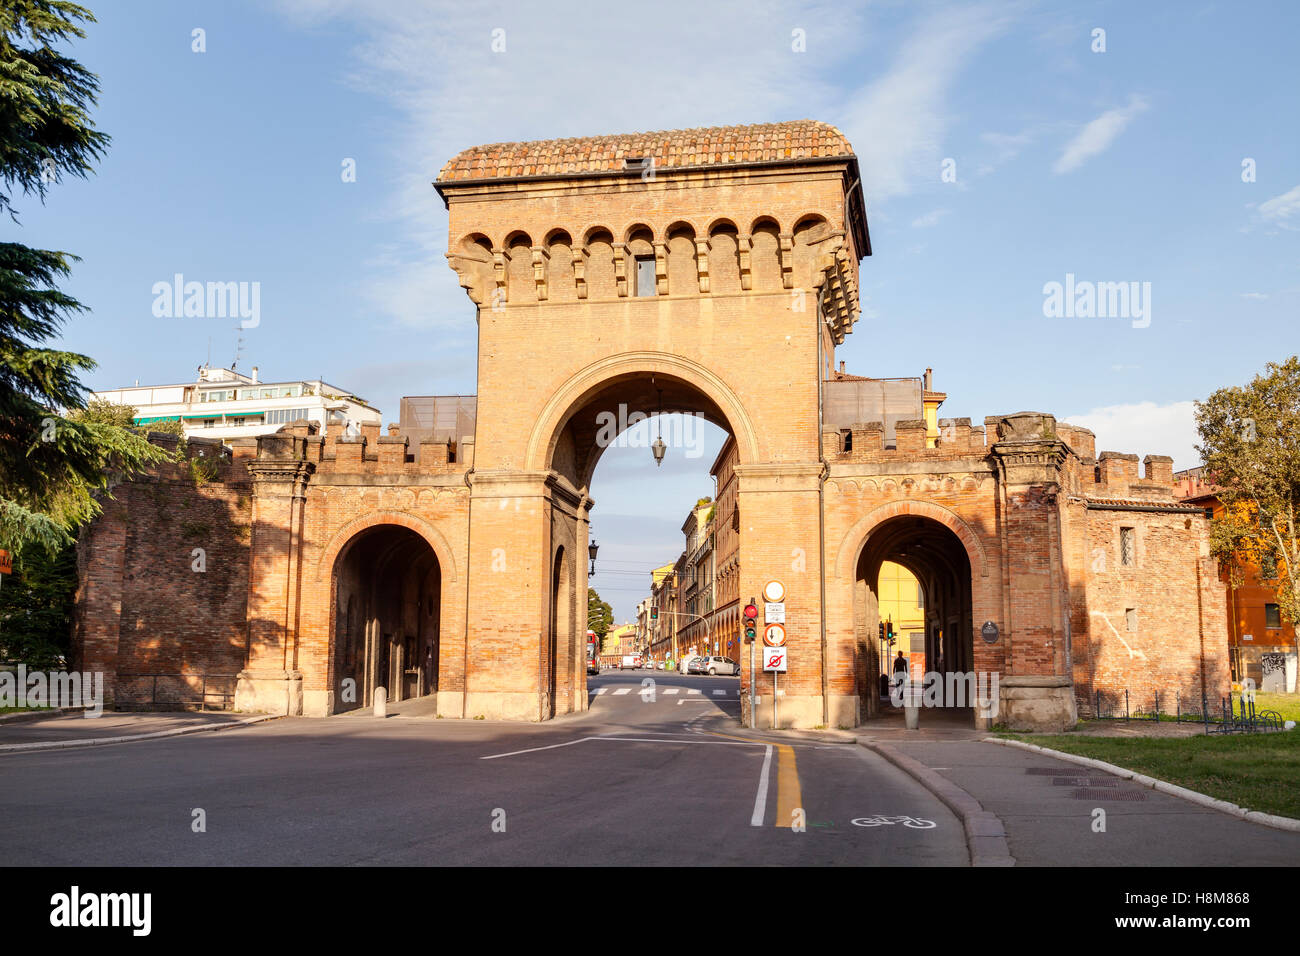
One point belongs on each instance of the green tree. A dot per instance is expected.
(600, 616)
(36, 607)
(1250, 444)
(51, 465)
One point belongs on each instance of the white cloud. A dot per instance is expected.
(1096, 137)
(571, 73)
(1254, 295)
(929, 219)
(1280, 209)
(1145, 428)
(575, 73)
(897, 122)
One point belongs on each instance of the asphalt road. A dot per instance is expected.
(640, 779)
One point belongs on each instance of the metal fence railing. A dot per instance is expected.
(1235, 714)
(175, 691)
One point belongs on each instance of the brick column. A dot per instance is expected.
(1036, 689)
(779, 520)
(271, 681)
(509, 594)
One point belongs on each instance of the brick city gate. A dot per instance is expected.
(708, 271)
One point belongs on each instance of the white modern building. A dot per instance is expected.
(225, 404)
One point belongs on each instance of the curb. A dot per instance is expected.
(1192, 796)
(800, 736)
(986, 838)
(104, 741)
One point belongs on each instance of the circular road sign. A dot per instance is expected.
(774, 592)
(774, 635)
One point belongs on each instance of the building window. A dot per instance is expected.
(920, 596)
(645, 275)
(1131, 618)
(1272, 616)
(1209, 514)
(1127, 553)
(209, 423)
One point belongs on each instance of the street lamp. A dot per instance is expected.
(658, 448)
(592, 548)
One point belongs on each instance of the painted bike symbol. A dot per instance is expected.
(916, 823)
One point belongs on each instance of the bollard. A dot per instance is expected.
(381, 702)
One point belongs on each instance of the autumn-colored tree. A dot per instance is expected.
(1250, 445)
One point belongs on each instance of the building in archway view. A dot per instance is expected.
(712, 271)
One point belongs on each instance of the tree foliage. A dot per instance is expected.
(51, 465)
(1250, 445)
(600, 616)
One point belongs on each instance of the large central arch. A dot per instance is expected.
(627, 379)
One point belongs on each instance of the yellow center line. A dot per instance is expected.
(789, 795)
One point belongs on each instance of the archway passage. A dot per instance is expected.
(602, 416)
(942, 643)
(387, 616)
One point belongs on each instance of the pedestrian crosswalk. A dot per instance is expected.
(665, 691)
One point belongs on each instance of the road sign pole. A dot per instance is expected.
(774, 700)
(753, 683)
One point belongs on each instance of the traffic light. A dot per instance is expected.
(882, 630)
(889, 632)
(654, 613)
(751, 622)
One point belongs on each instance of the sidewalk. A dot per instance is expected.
(1047, 807)
(76, 730)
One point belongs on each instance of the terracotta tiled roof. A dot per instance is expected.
(672, 149)
(1164, 505)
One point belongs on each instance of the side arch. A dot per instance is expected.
(856, 539)
(339, 540)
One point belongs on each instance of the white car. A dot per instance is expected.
(720, 665)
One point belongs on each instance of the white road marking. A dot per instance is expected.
(760, 801)
(719, 693)
(515, 753)
(601, 691)
(622, 690)
(646, 740)
(669, 691)
(693, 690)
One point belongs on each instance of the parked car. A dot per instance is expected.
(659, 666)
(695, 665)
(720, 665)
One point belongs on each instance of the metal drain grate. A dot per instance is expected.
(1084, 782)
(1100, 793)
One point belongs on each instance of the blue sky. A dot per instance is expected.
(1123, 165)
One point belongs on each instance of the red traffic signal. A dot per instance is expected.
(751, 612)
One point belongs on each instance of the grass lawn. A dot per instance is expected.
(1288, 705)
(1255, 771)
